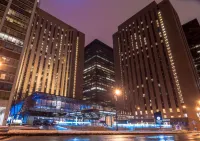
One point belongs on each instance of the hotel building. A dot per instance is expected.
(52, 62)
(154, 67)
(53, 59)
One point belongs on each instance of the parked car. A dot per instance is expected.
(37, 122)
(47, 123)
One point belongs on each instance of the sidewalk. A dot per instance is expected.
(7, 128)
(56, 133)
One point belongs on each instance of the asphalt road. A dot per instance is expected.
(180, 137)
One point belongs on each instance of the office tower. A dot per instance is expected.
(15, 22)
(98, 73)
(192, 33)
(53, 60)
(154, 66)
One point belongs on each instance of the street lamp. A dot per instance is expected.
(117, 92)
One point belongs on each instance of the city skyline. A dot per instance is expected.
(107, 15)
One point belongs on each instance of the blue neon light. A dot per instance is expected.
(72, 122)
(144, 125)
(15, 109)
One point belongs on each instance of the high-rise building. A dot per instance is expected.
(153, 65)
(15, 22)
(53, 59)
(192, 33)
(98, 73)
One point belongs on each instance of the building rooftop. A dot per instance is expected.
(96, 41)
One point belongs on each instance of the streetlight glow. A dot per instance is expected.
(117, 92)
(184, 106)
(198, 109)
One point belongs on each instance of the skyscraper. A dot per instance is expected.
(52, 61)
(15, 22)
(153, 65)
(98, 73)
(192, 33)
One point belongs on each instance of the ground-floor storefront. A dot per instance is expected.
(41, 106)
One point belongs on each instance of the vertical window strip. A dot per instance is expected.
(170, 57)
(76, 62)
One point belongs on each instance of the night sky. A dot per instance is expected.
(100, 18)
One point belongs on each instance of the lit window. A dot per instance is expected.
(3, 76)
(185, 115)
(164, 111)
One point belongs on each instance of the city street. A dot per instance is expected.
(102, 70)
(181, 137)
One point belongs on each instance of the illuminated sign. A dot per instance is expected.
(158, 118)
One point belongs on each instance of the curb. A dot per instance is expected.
(84, 133)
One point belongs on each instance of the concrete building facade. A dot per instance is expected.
(154, 67)
(53, 60)
(15, 22)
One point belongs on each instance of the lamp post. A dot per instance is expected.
(117, 92)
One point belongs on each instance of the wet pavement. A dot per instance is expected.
(179, 137)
